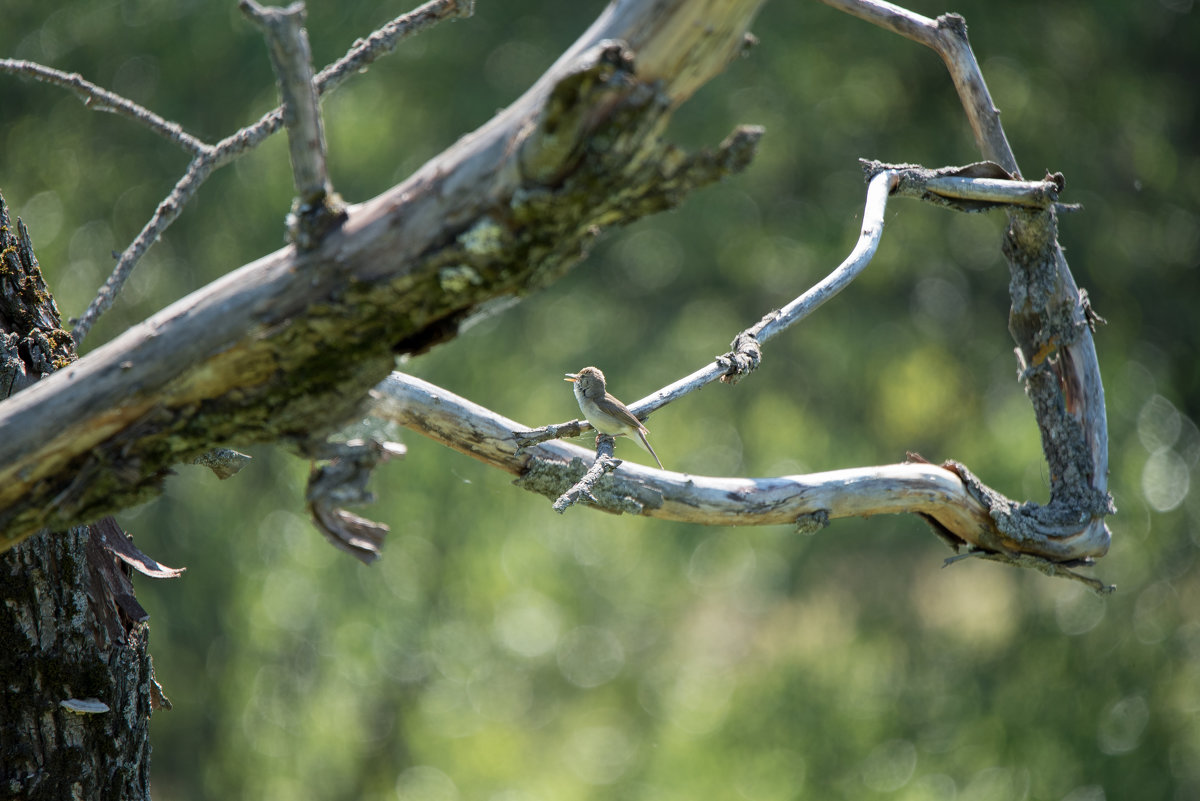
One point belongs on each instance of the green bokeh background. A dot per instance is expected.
(500, 651)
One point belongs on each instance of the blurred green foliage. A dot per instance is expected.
(500, 651)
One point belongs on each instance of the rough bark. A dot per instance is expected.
(286, 347)
(1050, 319)
(74, 715)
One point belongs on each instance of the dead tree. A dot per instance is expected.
(287, 348)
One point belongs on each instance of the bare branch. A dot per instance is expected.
(1050, 318)
(291, 58)
(1044, 566)
(384, 41)
(316, 209)
(583, 489)
(100, 99)
(946, 36)
(745, 345)
(554, 193)
(1032, 194)
(1069, 529)
(287, 347)
(940, 493)
(976, 187)
(164, 215)
(209, 158)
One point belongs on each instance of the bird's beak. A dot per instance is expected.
(572, 377)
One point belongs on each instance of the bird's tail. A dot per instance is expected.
(645, 443)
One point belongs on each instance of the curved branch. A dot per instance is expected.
(1050, 319)
(744, 356)
(961, 509)
(946, 36)
(995, 524)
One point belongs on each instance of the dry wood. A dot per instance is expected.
(287, 346)
(949, 497)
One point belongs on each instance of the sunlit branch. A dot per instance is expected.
(316, 209)
(584, 488)
(291, 58)
(384, 40)
(946, 495)
(286, 347)
(208, 158)
(745, 355)
(1050, 319)
(946, 36)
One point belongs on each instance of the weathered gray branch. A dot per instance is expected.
(98, 98)
(208, 158)
(745, 354)
(946, 36)
(505, 211)
(316, 209)
(291, 58)
(961, 509)
(1050, 318)
(287, 346)
(1017, 533)
(551, 467)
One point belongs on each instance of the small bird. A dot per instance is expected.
(607, 414)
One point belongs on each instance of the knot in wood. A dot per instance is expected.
(742, 360)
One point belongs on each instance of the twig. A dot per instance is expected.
(384, 40)
(946, 36)
(166, 212)
(1044, 566)
(976, 187)
(291, 58)
(316, 209)
(100, 99)
(880, 187)
(208, 158)
(745, 345)
(1033, 194)
(582, 489)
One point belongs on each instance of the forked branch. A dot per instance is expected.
(974, 514)
(746, 353)
(207, 158)
(506, 211)
(286, 348)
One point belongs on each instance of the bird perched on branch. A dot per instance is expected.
(607, 414)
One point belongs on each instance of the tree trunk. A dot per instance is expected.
(75, 714)
(299, 339)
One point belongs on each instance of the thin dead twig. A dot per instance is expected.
(206, 157)
(98, 98)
